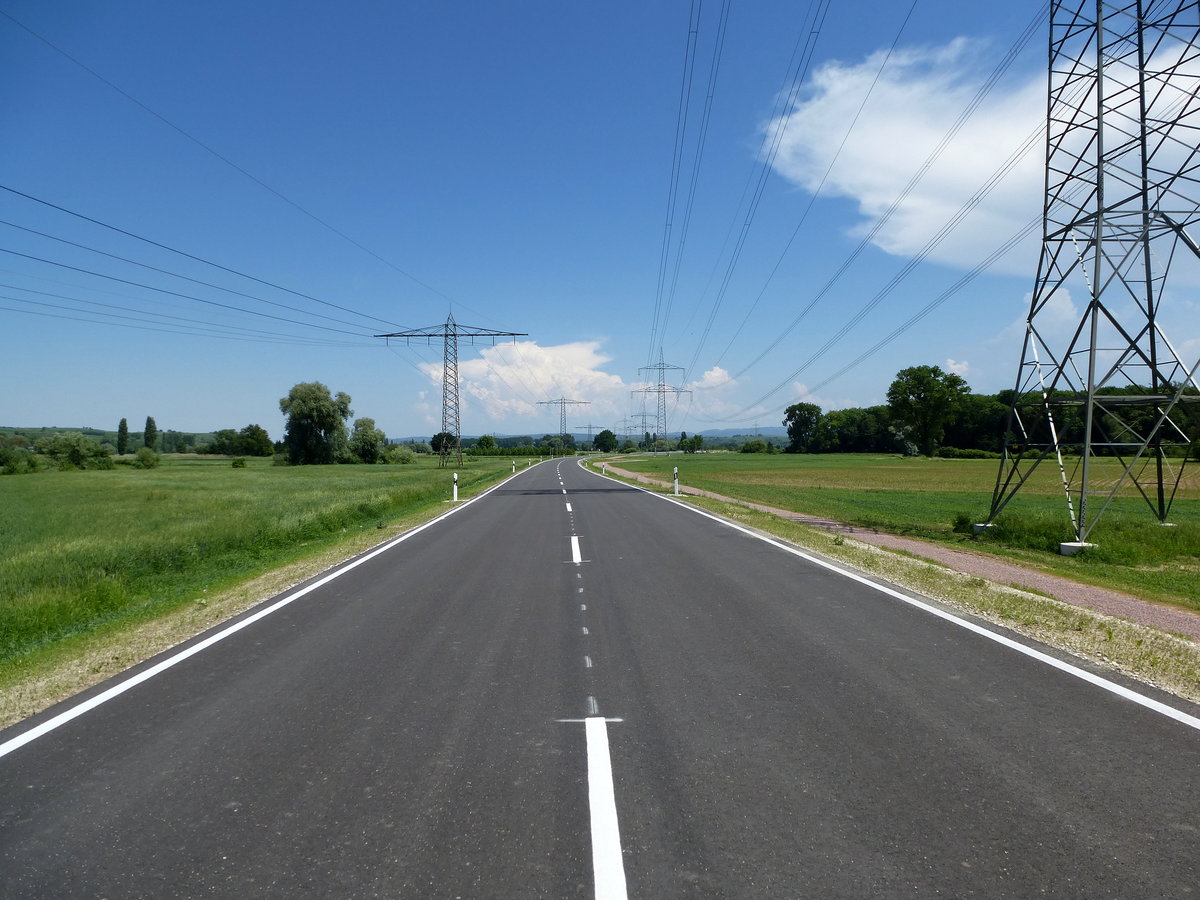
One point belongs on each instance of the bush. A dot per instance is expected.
(146, 458)
(239, 462)
(970, 453)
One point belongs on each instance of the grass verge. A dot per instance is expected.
(162, 611)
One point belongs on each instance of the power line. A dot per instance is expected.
(772, 141)
(820, 186)
(249, 312)
(199, 143)
(963, 116)
(161, 271)
(187, 255)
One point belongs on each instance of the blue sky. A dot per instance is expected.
(509, 163)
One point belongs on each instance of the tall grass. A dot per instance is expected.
(929, 498)
(78, 549)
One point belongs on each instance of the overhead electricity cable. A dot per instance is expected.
(190, 256)
(698, 157)
(104, 320)
(199, 143)
(934, 304)
(820, 186)
(802, 55)
(681, 116)
(250, 332)
(925, 166)
(208, 284)
(913, 262)
(249, 312)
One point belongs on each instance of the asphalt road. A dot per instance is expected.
(432, 723)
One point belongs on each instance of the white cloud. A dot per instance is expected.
(962, 369)
(915, 102)
(508, 381)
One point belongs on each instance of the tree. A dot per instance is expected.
(923, 399)
(122, 438)
(150, 434)
(253, 440)
(801, 420)
(367, 441)
(606, 441)
(443, 444)
(316, 423)
(485, 444)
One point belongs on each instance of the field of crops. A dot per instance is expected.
(927, 497)
(79, 549)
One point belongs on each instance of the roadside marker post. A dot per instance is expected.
(455, 487)
(514, 467)
(676, 481)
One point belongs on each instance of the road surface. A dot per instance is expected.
(570, 687)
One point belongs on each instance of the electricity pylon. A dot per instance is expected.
(662, 389)
(449, 334)
(1114, 403)
(563, 403)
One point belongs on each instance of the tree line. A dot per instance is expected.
(932, 412)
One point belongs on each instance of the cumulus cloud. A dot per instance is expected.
(507, 382)
(960, 368)
(919, 95)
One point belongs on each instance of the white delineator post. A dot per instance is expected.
(455, 487)
(677, 481)
(514, 467)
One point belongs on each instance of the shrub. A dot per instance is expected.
(969, 453)
(239, 462)
(145, 458)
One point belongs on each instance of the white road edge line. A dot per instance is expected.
(145, 675)
(608, 865)
(576, 557)
(569, 508)
(1103, 683)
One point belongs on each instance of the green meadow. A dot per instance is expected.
(931, 498)
(80, 550)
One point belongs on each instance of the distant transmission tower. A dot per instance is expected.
(1113, 403)
(563, 403)
(449, 334)
(662, 389)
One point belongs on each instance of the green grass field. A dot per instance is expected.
(79, 550)
(925, 497)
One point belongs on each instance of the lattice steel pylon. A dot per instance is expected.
(1114, 403)
(562, 403)
(662, 389)
(450, 334)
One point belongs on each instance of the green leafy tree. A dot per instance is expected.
(755, 445)
(923, 399)
(443, 444)
(122, 438)
(150, 433)
(485, 444)
(224, 443)
(606, 441)
(253, 440)
(802, 420)
(315, 432)
(72, 450)
(367, 441)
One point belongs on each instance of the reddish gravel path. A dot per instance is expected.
(1113, 603)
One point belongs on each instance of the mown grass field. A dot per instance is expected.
(924, 498)
(81, 550)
